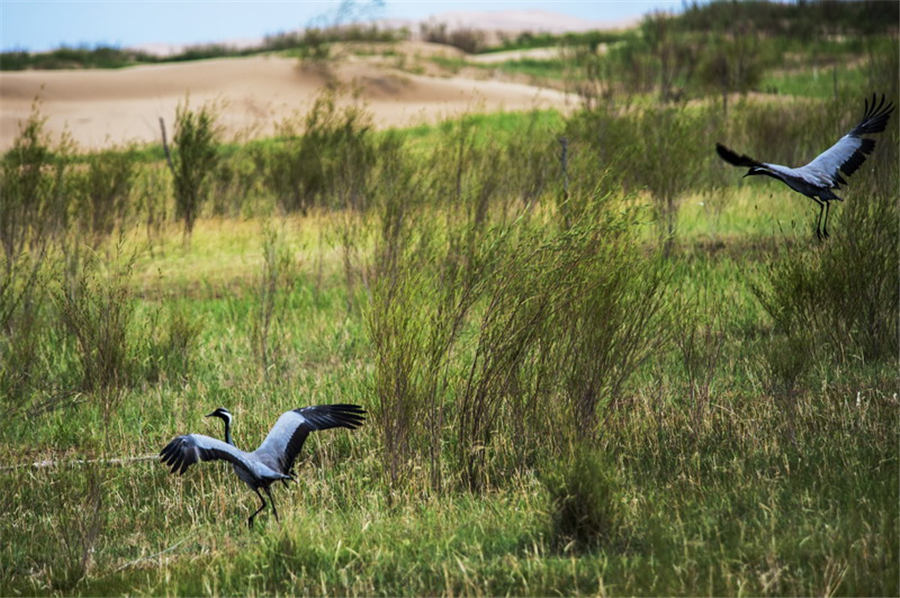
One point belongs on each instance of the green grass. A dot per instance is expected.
(743, 505)
(752, 452)
(538, 68)
(700, 517)
(541, 70)
(818, 83)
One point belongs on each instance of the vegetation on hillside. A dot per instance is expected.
(595, 360)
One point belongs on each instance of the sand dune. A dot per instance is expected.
(104, 107)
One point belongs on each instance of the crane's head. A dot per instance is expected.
(222, 413)
(756, 170)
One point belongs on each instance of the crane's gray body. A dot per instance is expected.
(809, 183)
(274, 459)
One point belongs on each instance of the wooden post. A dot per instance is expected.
(162, 127)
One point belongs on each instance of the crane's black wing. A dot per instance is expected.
(286, 438)
(733, 158)
(184, 451)
(851, 150)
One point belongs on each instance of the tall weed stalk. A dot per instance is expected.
(276, 281)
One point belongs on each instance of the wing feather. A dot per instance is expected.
(283, 443)
(874, 119)
(184, 451)
(734, 158)
(851, 150)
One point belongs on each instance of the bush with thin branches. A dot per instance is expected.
(196, 139)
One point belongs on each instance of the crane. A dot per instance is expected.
(817, 179)
(274, 459)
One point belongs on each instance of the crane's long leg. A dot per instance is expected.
(825, 226)
(822, 205)
(269, 494)
(261, 507)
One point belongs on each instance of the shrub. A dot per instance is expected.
(196, 139)
(667, 152)
(153, 189)
(85, 517)
(22, 328)
(483, 310)
(97, 310)
(169, 350)
(587, 508)
(326, 162)
(102, 190)
(466, 39)
(410, 358)
(32, 187)
(609, 319)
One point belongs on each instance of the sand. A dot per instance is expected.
(102, 107)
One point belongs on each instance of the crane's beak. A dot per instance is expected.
(210, 414)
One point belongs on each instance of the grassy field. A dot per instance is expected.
(595, 360)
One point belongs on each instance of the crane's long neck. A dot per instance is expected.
(227, 420)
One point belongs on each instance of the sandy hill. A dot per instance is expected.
(103, 107)
(518, 21)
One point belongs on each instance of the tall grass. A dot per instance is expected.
(516, 296)
(557, 407)
(276, 280)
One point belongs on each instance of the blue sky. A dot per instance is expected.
(39, 25)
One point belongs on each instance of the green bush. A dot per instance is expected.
(195, 158)
(34, 204)
(98, 310)
(483, 307)
(326, 161)
(102, 189)
(169, 351)
(23, 294)
(276, 281)
(662, 150)
(587, 509)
